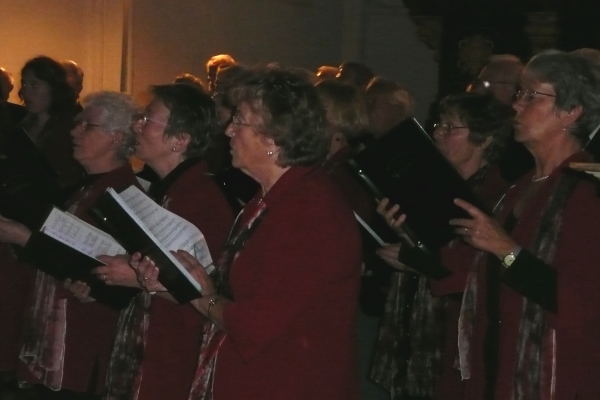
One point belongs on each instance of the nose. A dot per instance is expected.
(518, 104)
(138, 126)
(76, 129)
(230, 130)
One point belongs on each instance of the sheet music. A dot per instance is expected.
(80, 235)
(172, 231)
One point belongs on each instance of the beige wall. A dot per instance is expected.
(174, 36)
(86, 31)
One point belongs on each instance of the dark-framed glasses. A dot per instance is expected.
(529, 95)
(446, 129)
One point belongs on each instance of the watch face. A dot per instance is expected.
(509, 259)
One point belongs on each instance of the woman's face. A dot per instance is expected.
(152, 145)
(248, 147)
(537, 119)
(93, 146)
(36, 93)
(452, 138)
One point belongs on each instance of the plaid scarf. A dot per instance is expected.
(243, 228)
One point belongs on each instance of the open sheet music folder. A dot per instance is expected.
(405, 166)
(66, 247)
(127, 227)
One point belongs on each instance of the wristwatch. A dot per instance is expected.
(510, 258)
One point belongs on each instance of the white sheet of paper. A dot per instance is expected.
(80, 235)
(172, 231)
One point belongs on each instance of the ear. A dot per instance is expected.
(180, 141)
(485, 144)
(571, 116)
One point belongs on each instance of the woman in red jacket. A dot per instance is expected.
(158, 341)
(531, 315)
(66, 343)
(283, 302)
(417, 342)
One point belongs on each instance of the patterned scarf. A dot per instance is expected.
(124, 376)
(213, 337)
(44, 347)
(534, 376)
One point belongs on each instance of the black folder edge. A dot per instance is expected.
(358, 171)
(134, 237)
(63, 261)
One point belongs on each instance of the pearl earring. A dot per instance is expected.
(174, 149)
(270, 153)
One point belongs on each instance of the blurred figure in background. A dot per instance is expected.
(74, 78)
(191, 80)
(355, 73)
(388, 104)
(326, 72)
(214, 64)
(10, 113)
(500, 78)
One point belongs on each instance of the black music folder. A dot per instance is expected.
(126, 226)
(27, 180)
(405, 166)
(65, 247)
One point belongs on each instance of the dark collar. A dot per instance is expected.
(158, 189)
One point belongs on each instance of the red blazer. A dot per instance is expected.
(577, 322)
(291, 327)
(460, 257)
(90, 326)
(175, 331)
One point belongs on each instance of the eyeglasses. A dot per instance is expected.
(145, 119)
(86, 126)
(529, 95)
(446, 129)
(235, 119)
(476, 83)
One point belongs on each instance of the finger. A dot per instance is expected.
(469, 208)
(135, 260)
(188, 260)
(390, 215)
(382, 206)
(67, 283)
(462, 222)
(399, 221)
(101, 270)
(462, 231)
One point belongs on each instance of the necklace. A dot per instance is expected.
(533, 179)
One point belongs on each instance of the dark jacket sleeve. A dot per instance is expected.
(531, 277)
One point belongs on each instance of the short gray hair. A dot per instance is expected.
(119, 112)
(576, 81)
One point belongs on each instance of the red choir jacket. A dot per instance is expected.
(577, 321)
(459, 257)
(90, 326)
(175, 331)
(291, 327)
